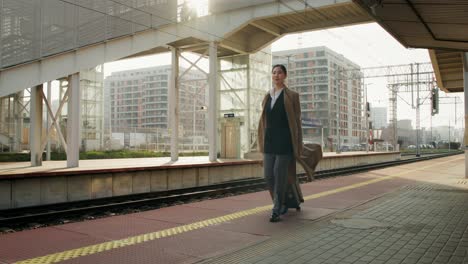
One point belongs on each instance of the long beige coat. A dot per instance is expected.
(293, 111)
(310, 154)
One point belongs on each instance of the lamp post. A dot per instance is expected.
(193, 125)
(367, 115)
(323, 143)
(338, 150)
(449, 135)
(418, 150)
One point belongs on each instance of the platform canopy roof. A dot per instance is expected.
(296, 16)
(438, 25)
(70, 36)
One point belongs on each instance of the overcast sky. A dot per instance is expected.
(370, 45)
(367, 45)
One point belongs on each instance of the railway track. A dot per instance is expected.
(33, 217)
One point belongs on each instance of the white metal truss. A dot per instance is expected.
(18, 119)
(12, 109)
(22, 103)
(174, 95)
(410, 78)
(399, 73)
(233, 91)
(194, 86)
(393, 112)
(71, 145)
(54, 117)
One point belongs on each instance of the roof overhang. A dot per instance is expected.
(254, 35)
(258, 33)
(448, 67)
(245, 27)
(438, 25)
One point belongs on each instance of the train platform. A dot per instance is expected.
(53, 168)
(413, 213)
(22, 185)
(59, 167)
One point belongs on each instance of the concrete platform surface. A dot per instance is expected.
(115, 165)
(405, 214)
(110, 165)
(423, 222)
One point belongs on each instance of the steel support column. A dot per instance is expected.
(49, 97)
(73, 121)
(465, 85)
(35, 135)
(212, 103)
(18, 114)
(174, 104)
(418, 115)
(367, 116)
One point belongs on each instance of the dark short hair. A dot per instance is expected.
(283, 68)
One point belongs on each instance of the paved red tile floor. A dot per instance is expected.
(324, 198)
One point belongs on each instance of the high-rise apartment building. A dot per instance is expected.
(379, 117)
(138, 103)
(328, 84)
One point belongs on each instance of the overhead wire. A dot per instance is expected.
(325, 17)
(335, 73)
(197, 29)
(341, 27)
(406, 51)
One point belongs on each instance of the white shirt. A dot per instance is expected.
(274, 95)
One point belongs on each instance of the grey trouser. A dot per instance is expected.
(275, 168)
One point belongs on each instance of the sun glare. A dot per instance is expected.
(199, 6)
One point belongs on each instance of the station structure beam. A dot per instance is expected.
(49, 97)
(18, 116)
(174, 104)
(212, 103)
(36, 125)
(73, 121)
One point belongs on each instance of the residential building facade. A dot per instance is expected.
(379, 117)
(331, 94)
(138, 105)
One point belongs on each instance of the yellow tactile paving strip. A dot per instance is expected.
(129, 241)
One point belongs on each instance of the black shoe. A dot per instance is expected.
(275, 218)
(283, 210)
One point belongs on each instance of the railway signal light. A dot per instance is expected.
(368, 111)
(435, 101)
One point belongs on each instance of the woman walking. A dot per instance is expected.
(280, 141)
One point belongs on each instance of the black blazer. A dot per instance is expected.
(277, 132)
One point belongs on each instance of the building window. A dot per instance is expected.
(322, 62)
